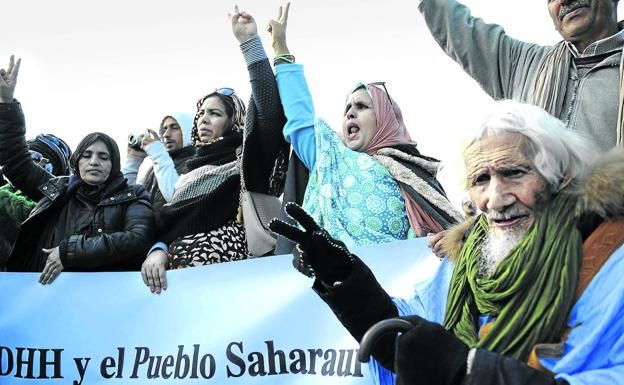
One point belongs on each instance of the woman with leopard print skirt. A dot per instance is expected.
(199, 226)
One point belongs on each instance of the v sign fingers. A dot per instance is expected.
(8, 80)
(13, 69)
(288, 231)
(297, 213)
(283, 14)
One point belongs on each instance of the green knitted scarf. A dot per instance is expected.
(532, 290)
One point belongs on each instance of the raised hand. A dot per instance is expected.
(243, 25)
(8, 80)
(318, 253)
(277, 29)
(151, 137)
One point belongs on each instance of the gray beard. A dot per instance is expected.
(495, 248)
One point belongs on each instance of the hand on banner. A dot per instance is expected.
(8, 80)
(429, 354)
(53, 266)
(277, 29)
(154, 270)
(243, 25)
(320, 254)
(435, 244)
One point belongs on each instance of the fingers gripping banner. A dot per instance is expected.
(247, 322)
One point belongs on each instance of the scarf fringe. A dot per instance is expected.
(405, 175)
(432, 167)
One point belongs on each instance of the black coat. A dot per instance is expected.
(121, 233)
(122, 227)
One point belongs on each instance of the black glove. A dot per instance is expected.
(489, 368)
(429, 354)
(317, 252)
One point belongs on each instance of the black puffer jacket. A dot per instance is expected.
(121, 233)
(122, 225)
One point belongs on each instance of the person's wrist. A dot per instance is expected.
(245, 38)
(280, 48)
(283, 59)
(6, 99)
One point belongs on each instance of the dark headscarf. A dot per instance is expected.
(53, 148)
(112, 149)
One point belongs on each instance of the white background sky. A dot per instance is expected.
(120, 66)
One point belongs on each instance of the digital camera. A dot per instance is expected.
(134, 141)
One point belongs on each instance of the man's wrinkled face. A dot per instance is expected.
(583, 22)
(504, 183)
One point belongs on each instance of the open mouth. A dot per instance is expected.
(352, 130)
(509, 221)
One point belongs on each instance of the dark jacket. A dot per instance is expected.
(295, 186)
(122, 227)
(264, 158)
(14, 209)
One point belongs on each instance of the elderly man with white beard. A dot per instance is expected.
(530, 290)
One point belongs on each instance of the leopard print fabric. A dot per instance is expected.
(224, 244)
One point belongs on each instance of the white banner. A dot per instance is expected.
(247, 322)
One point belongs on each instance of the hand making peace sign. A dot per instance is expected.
(8, 80)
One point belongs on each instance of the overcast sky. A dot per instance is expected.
(120, 66)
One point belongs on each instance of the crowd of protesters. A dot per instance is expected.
(509, 278)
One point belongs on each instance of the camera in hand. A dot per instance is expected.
(134, 141)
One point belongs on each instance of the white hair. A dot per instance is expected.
(557, 152)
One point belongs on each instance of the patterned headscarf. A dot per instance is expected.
(234, 108)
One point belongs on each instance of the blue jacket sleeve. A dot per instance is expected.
(299, 110)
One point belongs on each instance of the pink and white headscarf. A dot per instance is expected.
(392, 131)
(390, 127)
